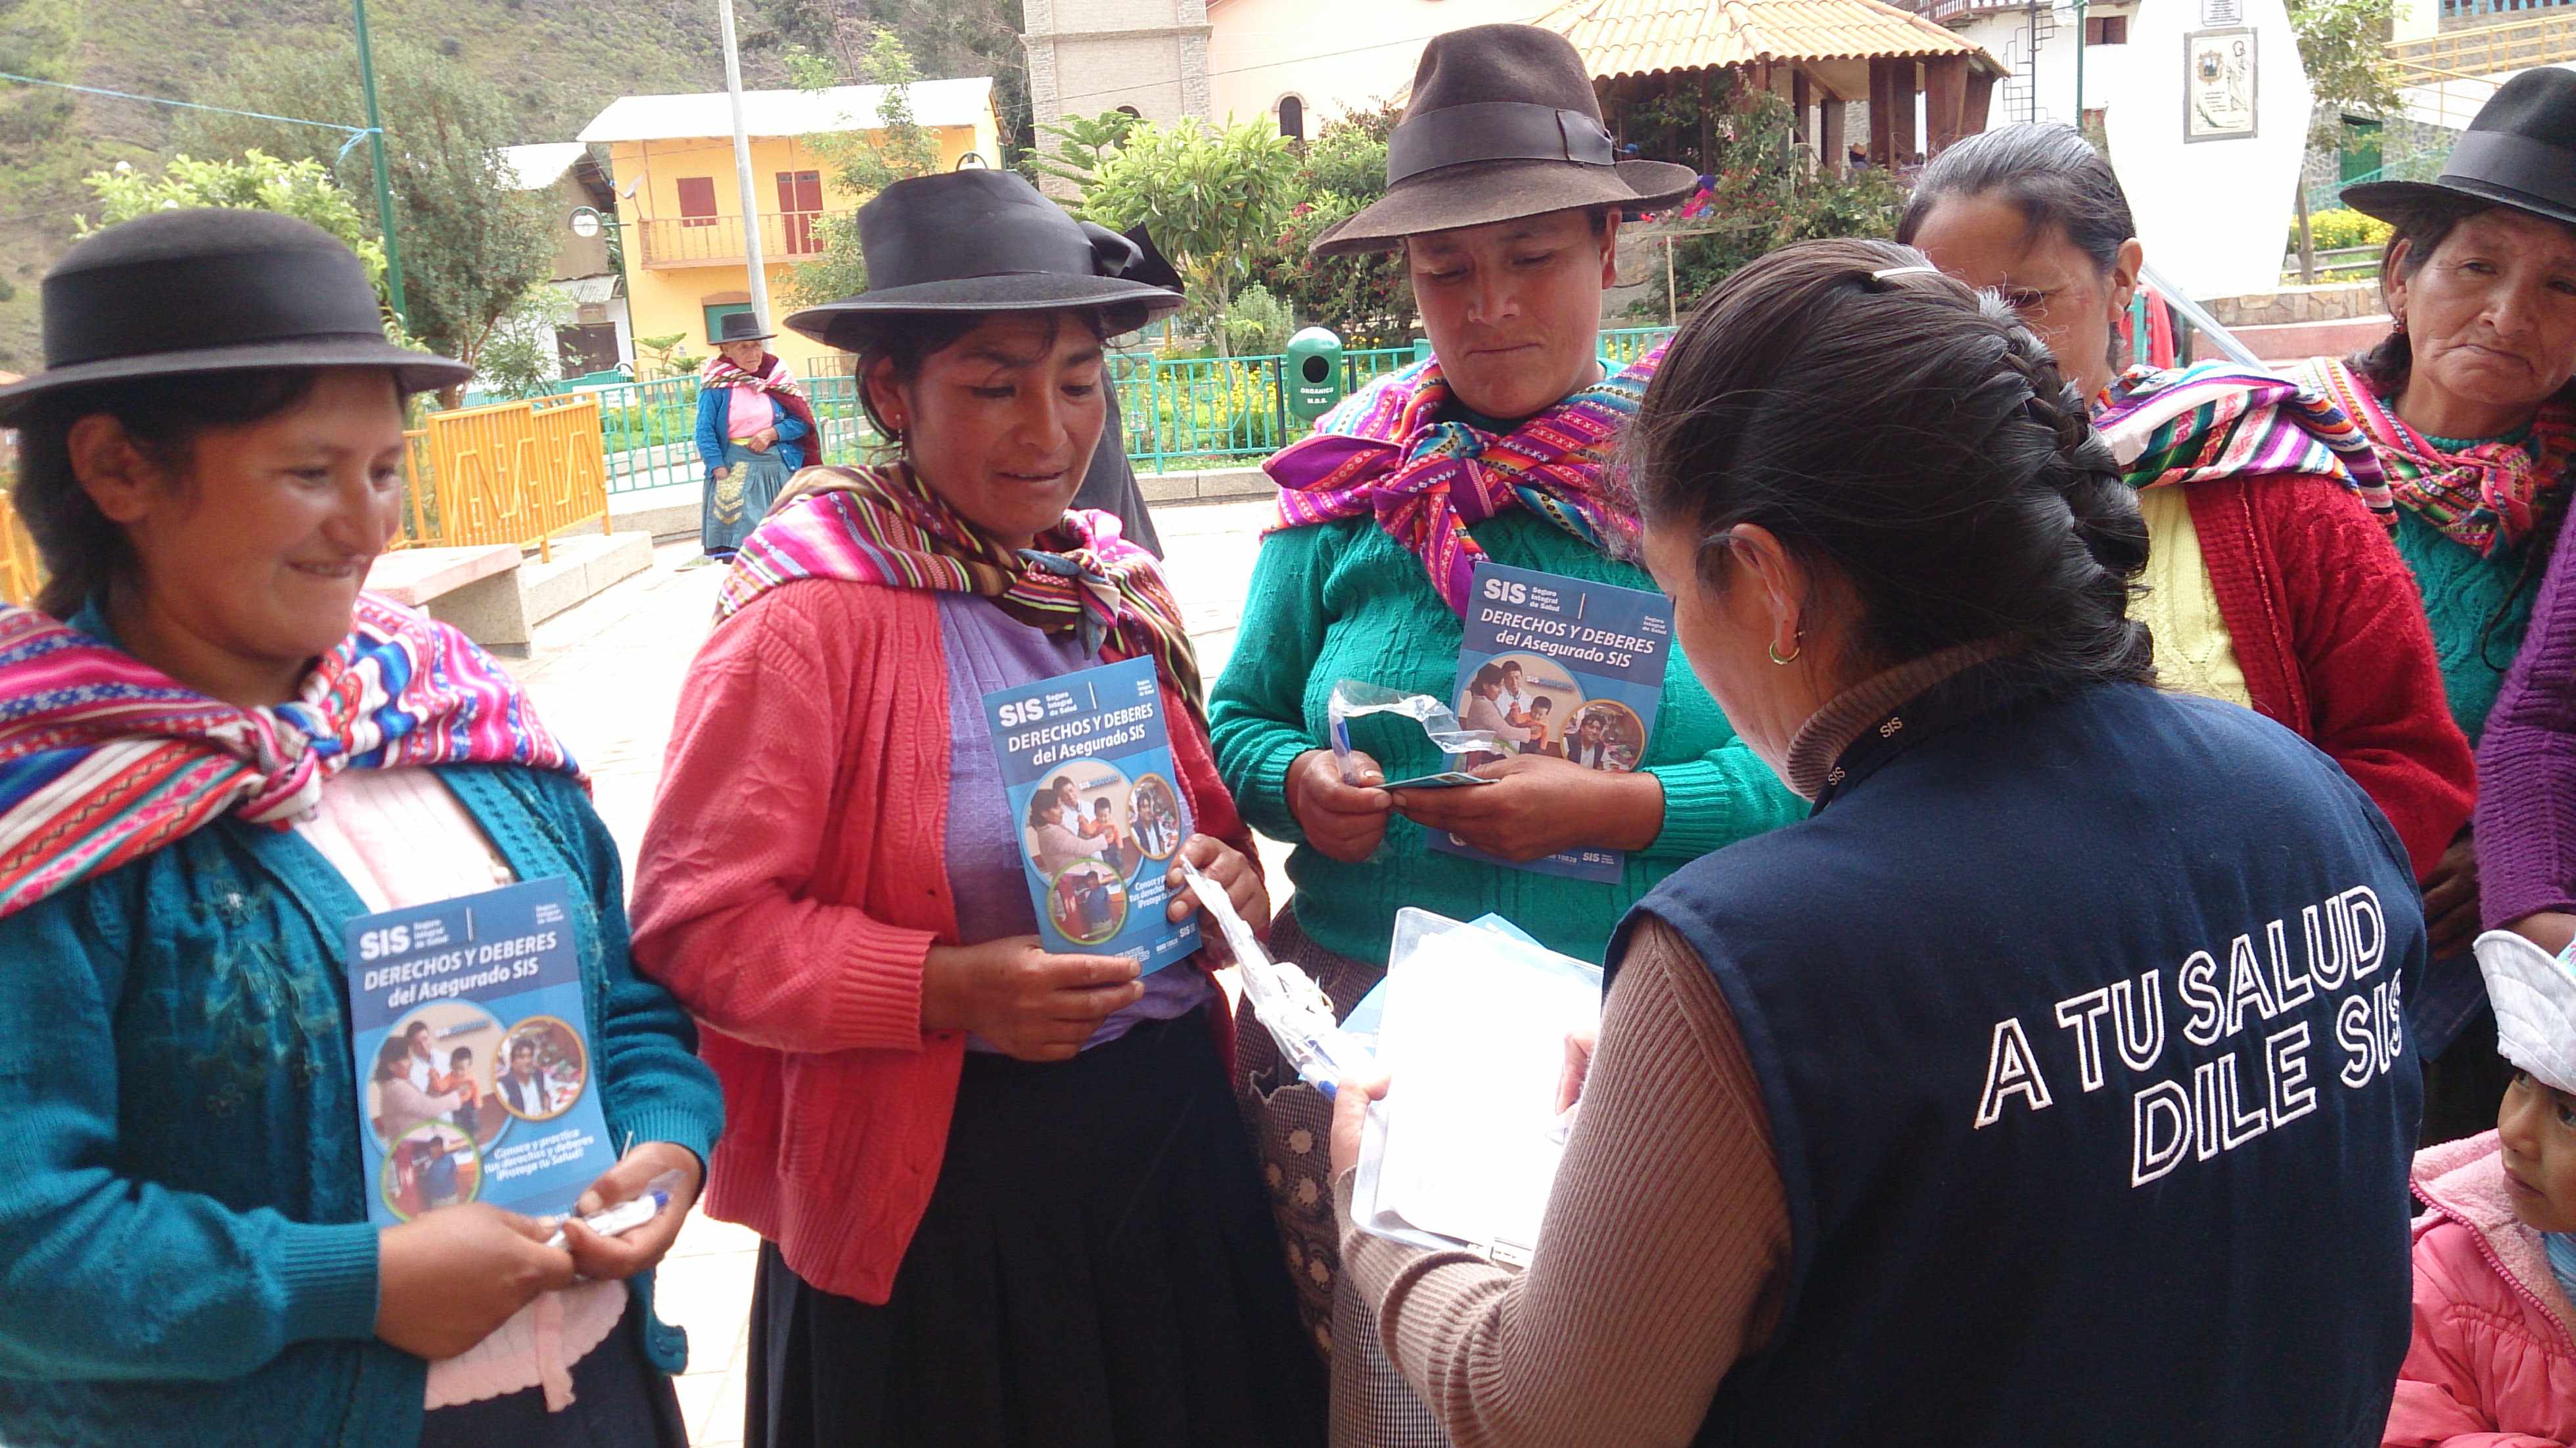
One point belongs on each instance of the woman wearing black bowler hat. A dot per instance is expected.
(1003, 1195)
(755, 429)
(216, 753)
(2470, 404)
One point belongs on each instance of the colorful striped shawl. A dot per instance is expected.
(105, 759)
(2486, 498)
(882, 526)
(2221, 420)
(1384, 454)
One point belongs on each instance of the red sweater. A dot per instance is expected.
(2331, 634)
(791, 885)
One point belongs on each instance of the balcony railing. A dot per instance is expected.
(1942, 12)
(2547, 37)
(717, 240)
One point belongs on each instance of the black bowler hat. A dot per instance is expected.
(1150, 267)
(2519, 152)
(1502, 124)
(213, 290)
(739, 327)
(979, 241)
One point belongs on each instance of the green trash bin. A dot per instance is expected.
(1314, 372)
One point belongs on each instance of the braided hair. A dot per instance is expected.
(1886, 420)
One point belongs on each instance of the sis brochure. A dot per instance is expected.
(1565, 668)
(1087, 768)
(475, 1081)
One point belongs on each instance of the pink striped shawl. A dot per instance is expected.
(105, 759)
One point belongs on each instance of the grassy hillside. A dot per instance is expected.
(558, 61)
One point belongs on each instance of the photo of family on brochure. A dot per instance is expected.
(1538, 708)
(448, 1081)
(1087, 773)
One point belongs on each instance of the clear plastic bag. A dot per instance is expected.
(1352, 698)
(1286, 1000)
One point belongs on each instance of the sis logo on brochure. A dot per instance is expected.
(472, 1043)
(1564, 668)
(1087, 768)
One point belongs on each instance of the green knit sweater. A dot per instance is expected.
(2461, 591)
(1344, 601)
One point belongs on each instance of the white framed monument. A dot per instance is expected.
(2207, 128)
(2219, 80)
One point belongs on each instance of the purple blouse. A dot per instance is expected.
(989, 650)
(2526, 819)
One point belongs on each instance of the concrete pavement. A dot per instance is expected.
(606, 676)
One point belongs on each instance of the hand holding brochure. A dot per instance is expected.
(1563, 668)
(1087, 769)
(472, 1044)
(1464, 1149)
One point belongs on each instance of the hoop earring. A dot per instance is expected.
(1797, 646)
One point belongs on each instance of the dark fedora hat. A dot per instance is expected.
(2519, 152)
(739, 327)
(213, 290)
(1502, 124)
(979, 241)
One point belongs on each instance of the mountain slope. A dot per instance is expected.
(559, 62)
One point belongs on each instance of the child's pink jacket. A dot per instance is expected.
(2493, 1363)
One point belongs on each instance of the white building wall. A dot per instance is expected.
(1335, 55)
(2006, 34)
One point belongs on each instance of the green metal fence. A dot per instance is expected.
(1177, 411)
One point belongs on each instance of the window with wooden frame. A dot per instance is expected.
(697, 200)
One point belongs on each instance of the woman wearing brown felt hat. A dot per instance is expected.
(1505, 195)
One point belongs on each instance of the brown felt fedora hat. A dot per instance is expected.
(1502, 124)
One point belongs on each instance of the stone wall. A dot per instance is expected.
(1090, 56)
(2325, 302)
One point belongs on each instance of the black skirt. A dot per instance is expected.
(1096, 1268)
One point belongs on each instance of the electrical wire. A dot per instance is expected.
(354, 133)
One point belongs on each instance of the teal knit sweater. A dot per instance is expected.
(185, 1256)
(2461, 591)
(1344, 601)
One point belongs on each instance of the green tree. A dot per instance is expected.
(473, 244)
(522, 359)
(256, 182)
(2343, 45)
(1213, 199)
(861, 163)
(1082, 143)
(1367, 298)
(945, 37)
(1763, 198)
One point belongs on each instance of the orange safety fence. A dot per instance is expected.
(510, 472)
(20, 574)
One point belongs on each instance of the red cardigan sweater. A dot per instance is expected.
(2331, 634)
(791, 885)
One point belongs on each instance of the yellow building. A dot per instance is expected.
(680, 206)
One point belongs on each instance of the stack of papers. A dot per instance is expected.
(1463, 1151)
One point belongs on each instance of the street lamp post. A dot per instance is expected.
(742, 172)
(384, 179)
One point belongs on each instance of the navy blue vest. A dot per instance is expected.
(2079, 1018)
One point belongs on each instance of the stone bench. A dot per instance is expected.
(476, 589)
